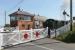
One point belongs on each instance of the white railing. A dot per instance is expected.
(21, 36)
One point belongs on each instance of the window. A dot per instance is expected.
(20, 18)
(27, 18)
(28, 27)
(13, 18)
(23, 25)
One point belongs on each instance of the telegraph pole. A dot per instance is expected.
(5, 18)
(70, 15)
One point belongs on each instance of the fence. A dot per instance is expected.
(21, 36)
(60, 30)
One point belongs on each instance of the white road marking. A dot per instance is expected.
(40, 46)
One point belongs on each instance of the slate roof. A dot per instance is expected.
(19, 12)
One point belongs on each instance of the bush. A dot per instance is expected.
(67, 37)
(70, 38)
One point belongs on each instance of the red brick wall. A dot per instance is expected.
(23, 25)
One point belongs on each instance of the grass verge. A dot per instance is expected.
(68, 37)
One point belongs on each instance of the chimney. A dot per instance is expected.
(18, 9)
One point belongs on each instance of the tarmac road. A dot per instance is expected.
(42, 44)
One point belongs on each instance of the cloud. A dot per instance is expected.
(66, 4)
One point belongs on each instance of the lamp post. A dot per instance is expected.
(70, 15)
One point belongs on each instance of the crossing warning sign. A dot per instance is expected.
(26, 36)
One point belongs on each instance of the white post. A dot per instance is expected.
(19, 37)
(1, 41)
(32, 37)
(47, 31)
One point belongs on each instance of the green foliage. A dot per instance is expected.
(7, 25)
(49, 23)
(68, 37)
(62, 36)
(53, 24)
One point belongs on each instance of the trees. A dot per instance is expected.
(54, 24)
(49, 23)
(7, 25)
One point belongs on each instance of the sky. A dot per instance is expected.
(49, 8)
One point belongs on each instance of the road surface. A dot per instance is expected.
(42, 44)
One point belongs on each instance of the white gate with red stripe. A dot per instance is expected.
(22, 36)
(39, 33)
